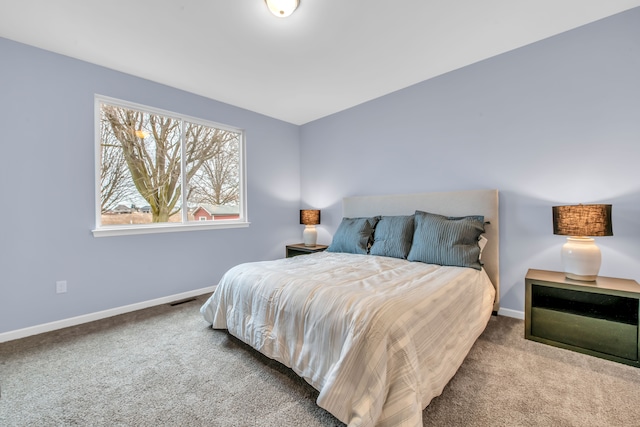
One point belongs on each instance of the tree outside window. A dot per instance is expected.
(160, 167)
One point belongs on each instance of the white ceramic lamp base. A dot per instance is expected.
(581, 258)
(309, 235)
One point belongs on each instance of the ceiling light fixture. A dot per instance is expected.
(282, 8)
(141, 133)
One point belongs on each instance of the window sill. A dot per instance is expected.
(125, 230)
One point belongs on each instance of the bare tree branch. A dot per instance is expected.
(150, 147)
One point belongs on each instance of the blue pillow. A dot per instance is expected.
(353, 235)
(392, 236)
(445, 240)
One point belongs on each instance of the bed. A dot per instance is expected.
(372, 323)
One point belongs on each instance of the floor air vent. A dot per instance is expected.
(182, 301)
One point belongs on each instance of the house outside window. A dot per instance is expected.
(156, 170)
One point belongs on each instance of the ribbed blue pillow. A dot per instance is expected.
(392, 236)
(442, 240)
(353, 235)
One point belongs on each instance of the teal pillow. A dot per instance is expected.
(392, 236)
(445, 240)
(353, 235)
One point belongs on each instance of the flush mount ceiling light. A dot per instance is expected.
(141, 133)
(282, 8)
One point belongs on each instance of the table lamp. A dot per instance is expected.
(581, 258)
(309, 217)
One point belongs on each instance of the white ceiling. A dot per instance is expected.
(328, 56)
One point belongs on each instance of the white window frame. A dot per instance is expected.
(123, 230)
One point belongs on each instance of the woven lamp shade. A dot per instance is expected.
(582, 220)
(309, 216)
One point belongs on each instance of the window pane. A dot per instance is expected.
(156, 166)
(212, 162)
(140, 167)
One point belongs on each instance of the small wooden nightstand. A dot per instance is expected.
(301, 249)
(598, 318)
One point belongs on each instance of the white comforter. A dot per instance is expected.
(378, 337)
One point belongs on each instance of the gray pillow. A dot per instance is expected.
(445, 240)
(353, 235)
(392, 236)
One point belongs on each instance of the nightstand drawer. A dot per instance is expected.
(603, 336)
(301, 249)
(296, 252)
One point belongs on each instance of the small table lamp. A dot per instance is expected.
(581, 257)
(309, 217)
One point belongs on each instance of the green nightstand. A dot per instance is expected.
(301, 249)
(597, 318)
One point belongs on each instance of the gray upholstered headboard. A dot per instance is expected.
(456, 203)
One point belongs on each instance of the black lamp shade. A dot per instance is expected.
(582, 220)
(309, 216)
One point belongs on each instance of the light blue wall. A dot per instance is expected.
(556, 122)
(47, 195)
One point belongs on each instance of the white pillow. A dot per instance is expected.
(482, 242)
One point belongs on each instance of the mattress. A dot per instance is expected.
(378, 337)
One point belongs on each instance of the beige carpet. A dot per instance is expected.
(164, 366)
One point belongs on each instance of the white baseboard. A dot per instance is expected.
(511, 313)
(85, 318)
(78, 320)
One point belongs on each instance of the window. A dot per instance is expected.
(158, 171)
